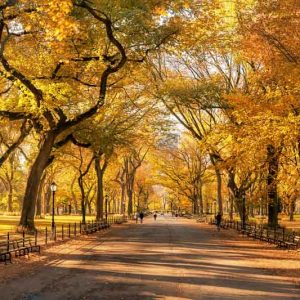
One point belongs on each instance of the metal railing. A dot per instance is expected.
(46, 236)
(277, 235)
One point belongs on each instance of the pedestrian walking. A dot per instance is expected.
(155, 216)
(141, 216)
(218, 221)
(136, 217)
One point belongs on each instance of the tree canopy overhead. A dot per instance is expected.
(142, 86)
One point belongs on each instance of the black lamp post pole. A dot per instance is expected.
(53, 210)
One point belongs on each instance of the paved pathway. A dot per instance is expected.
(166, 259)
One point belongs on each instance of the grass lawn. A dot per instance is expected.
(9, 223)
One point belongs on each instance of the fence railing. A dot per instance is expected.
(277, 235)
(61, 232)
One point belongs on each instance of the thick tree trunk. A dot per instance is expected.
(39, 197)
(10, 197)
(219, 190)
(81, 187)
(47, 199)
(273, 205)
(214, 158)
(74, 198)
(200, 194)
(130, 196)
(238, 197)
(100, 196)
(231, 208)
(195, 205)
(292, 208)
(33, 182)
(123, 193)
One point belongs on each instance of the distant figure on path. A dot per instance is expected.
(218, 220)
(155, 216)
(136, 217)
(141, 216)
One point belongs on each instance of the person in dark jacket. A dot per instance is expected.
(218, 220)
(141, 216)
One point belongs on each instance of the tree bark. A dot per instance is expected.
(10, 197)
(292, 208)
(273, 205)
(39, 196)
(200, 195)
(219, 190)
(36, 172)
(100, 194)
(123, 193)
(130, 186)
(47, 199)
(231, 208)
(74, 199)
(82, 202)
(238, 196)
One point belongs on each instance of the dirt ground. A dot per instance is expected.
(165, 259)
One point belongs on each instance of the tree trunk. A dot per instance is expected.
(219, 191)
(89, 206)
(39, 196)
(123, 192)
(238, 196)
(81, 187)
(47, 199)
(130, 195)
(200, 194)
(36, 172)
(100, 196)
(74, 198)
(292, 208)
(273, 205)
(230, 208)
(10, 197)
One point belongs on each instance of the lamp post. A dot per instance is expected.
(106, 202)
(53, 188)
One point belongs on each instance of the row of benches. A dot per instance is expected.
(94, 227)
(20, 247)
(275, 236)
(23, 246)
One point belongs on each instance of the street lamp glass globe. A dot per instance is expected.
(53, 187)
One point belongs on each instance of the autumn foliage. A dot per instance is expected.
(180, 105)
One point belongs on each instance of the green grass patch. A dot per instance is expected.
(10, 223)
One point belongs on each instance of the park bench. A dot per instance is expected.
(277, 236)
(224, 225)
(5, 252)
(24, 246)
(90, 228)
(94, 227)
(264, 235)
(252, 231)
(29, 245)
(20, 247)
(201, 220)
(291, 241)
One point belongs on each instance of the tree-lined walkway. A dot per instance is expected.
(166, 259)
